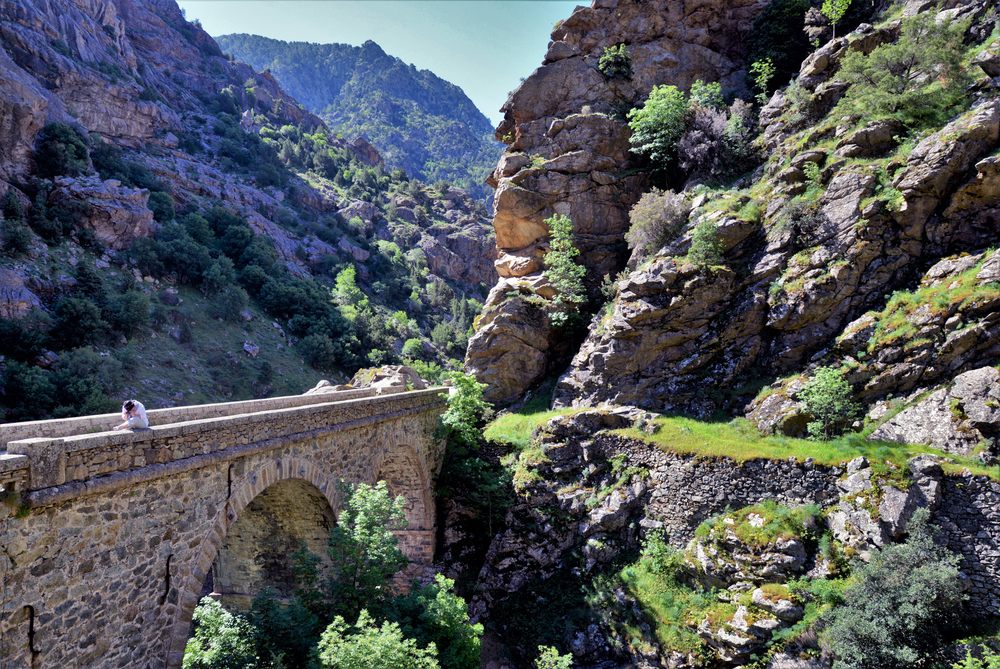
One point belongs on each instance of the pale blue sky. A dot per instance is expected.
(484, 46)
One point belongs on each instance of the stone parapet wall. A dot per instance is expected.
(684, 491)
(63, 460)
(969, 514)
(14, 472)
(687, 491)
(66, 427)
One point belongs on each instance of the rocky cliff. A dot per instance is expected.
(807, 273)
(857, 243)
(568, 152)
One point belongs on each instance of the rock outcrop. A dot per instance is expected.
(956, 418)
(568, 153)
(116, 215)
(801, 275)
(946, 326)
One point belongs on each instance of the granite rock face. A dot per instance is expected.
(568, 153)
(956, 418)
(956, 333)
(792, 291)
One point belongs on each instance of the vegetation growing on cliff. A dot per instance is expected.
(563, 272)
(829, 399)
(693, 137)
(239, 273)
(904, 604)
(656, 219)
(919, 79)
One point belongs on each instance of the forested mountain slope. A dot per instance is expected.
(177, 227)
(418, 121)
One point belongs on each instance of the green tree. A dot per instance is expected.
(16, 236)
(466, 409)
(705, 251)
(834, 11)
(78, 322)
(319, 351)
(549, 658)
(435, 614)
(285, 634)
(364, 550)
(222, 640)
(615, 62)
(128, 312)
(904, 603)
(61, 150)
(347, 295)
(987, 659)
(29, 391)
(778, 35)
(657, 218)
(829, 398)
(919, 79)
(162, 206)
(562, 270)
(365, 645)
(658, 124)
(708, 95)
(412, 347)
(228, 304)
(762, 72)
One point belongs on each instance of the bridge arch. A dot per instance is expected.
(284, 478)
(406, 474)
(254, 496)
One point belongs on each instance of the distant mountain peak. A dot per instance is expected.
(402, 110)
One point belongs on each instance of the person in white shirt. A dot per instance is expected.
(134, 415)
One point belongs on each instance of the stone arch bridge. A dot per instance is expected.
(108, 539)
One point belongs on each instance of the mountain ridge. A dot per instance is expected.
(418, 121)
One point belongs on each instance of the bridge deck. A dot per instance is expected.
(70, 459)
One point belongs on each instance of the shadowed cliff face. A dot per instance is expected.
(127, 70)
(568, 152)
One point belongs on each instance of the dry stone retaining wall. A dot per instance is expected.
(106, 563)
(684, 491)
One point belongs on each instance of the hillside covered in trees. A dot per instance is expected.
(417, 121)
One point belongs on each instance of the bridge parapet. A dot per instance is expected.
(67, 427)
(14, 473)
(62, 468)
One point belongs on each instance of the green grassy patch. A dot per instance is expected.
(819, 595)
(674, 609)
(738, 440)
(514, 428)
(762, 524)
(895, 323)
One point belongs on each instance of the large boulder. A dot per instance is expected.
(385, 380)
(875, 508)
(116, 214)
(509, 351)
